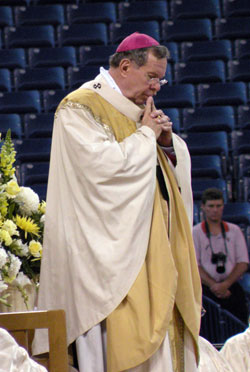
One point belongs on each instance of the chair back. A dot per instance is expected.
(21, 325)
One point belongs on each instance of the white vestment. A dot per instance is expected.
(99, 206)
(236, 351)
(211, 360)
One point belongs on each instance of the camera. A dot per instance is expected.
(219, 260)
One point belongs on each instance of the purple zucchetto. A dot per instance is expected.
(136, 41)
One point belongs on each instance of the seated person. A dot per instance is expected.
(222, 256)
(236, 351)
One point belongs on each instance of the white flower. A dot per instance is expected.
(10, 227)
(15, 265)
(3, 257)
(28, 201)
(42, 219)
(24, 248)
(21, 280)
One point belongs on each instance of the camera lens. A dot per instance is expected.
(220, 269)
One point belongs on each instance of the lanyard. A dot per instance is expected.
(223, 234)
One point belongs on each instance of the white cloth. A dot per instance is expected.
(236, 351)
(14, 358)
(211, 360)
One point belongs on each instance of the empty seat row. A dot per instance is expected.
(99, 54)
(58, 77)
(176, 96)
(187, 120)
(205, 119)
(122, 11)
(102, 34)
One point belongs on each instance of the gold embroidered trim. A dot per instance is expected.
(77, 105)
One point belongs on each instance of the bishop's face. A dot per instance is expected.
(144, 81)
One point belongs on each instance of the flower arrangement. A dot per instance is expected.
(21, 228)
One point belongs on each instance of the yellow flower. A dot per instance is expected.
(28, 225)
(42, 207)
(35, 248)
(5, 237)
(12, 188)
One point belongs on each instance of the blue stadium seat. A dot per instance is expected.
(239, 8)
(206, 166)
(29, 36)
(95, 54)
(12, 58)
(38, 125)
(5, 80)
(182, 95)
(210, 118)
(39, 78)
(206, 50)
(232, 325)
(51, 57)
(118, 31)
(187, 30)
(232, 28)
(232, 93)
(15, 2)
(201, 184)
(243, 166)
(83, 34)
(142, 11)
(32, 149)
(79, 75)
(241, 142)
(52, 98)
(174, 115)
(211, 323)
(237, 212)
(217, 325)
(1, 38)
(39, 15)
(41, 190)
(12, 122)
(34, 173)
(242, 48)
(195, 72)
(6, 17)
(243, 193)
(64, 2)
(89, 13)
(205, 143)
(173, 49)
(239, 70)
(243, 114)
(195, 9)
(20, 102)
(196, 214)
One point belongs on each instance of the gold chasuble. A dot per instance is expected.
(166, 295)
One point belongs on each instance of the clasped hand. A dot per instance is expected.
(158, 122)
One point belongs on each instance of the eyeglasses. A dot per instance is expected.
(154, 81)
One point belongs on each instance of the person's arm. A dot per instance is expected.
(239, 269)
(206, 278)
(218, 289)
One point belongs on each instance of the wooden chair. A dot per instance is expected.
(21, 325)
